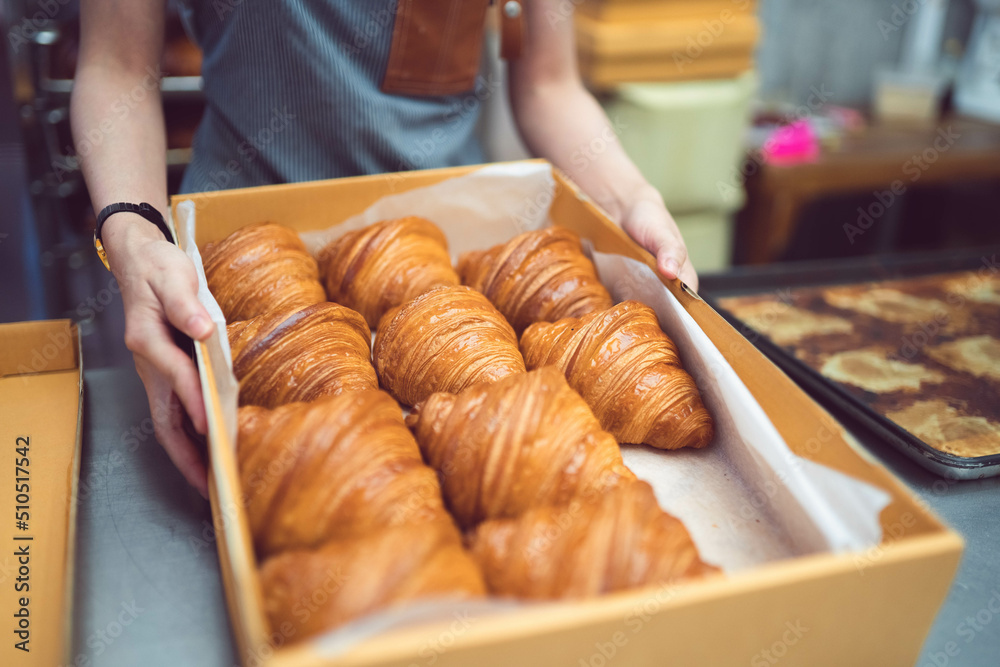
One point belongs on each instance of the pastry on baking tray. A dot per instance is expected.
(385, 265)
(259, 269)
(942, 426)
(300, 355)
(886, 304)
(338, 467)
(315, 590)
(783, 323)
(875, 370)
(920, 351)
(978, 356)
(526, 441)
(446, 339)
(539, 276)
(629, 373)
(600, 544)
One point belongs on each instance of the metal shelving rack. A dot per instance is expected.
(63, 219)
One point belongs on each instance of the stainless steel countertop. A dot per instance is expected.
(148, 590)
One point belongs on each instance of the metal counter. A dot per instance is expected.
(148, 589)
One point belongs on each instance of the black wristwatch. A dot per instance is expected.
(143, 209)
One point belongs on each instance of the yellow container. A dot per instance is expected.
(41, 400)
(871, 608)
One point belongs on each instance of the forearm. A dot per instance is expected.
(116, 114)
(563, 123)
(120, 141)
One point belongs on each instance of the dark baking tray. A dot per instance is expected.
(750, 280)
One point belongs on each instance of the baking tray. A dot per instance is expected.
(748, 281)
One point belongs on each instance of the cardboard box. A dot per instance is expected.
(41, 399)
(871, 608)
(715, 46)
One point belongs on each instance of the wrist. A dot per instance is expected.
(124, 232)
(621, 204)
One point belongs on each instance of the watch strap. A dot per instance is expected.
(143, 209)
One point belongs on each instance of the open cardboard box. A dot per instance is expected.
(41, 402)
(873, 607)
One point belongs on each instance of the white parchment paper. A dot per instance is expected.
(746, 498)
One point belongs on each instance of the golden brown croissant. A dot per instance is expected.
(629, 373)
(539, 276)
(301, 355)
(313, 591)
(444, 340)
(600, 544)
(525, 441)
(385, 265)
(338, 467)
(261, 268)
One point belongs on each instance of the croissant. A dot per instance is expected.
(525, 441)
(444, 340)
(629, 373)
(338, 467)
(539, 276)
(260, 268)
(606, 543)
(385, 265)
(301, 355)
(309, 591)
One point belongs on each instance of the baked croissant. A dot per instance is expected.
(525, 441)
(629, 373)
(385, 265)
(444, 340)
(261, 268)
(605, 543)
(312, 591)
(338, 467)
(539, 276)
(301, 355)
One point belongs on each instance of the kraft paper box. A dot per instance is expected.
(41, 391)
(870, 605)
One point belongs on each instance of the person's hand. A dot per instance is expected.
(647, 220)
(159, 288)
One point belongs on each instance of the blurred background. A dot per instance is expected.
(778, 131)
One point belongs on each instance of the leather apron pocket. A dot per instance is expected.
(436, 47)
